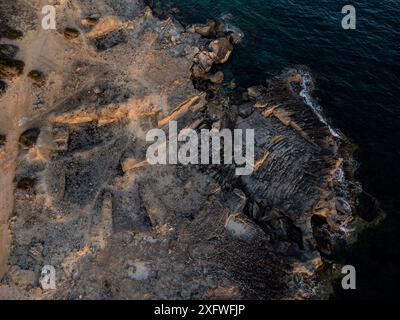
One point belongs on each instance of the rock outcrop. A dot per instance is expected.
(87, 202)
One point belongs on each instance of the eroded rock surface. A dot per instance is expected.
(85, 200)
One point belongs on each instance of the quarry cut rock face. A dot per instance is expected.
(78, 194)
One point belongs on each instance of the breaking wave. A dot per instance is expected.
(307, 85)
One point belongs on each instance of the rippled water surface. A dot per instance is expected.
(357, 74)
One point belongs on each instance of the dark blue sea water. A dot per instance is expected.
(358, 79)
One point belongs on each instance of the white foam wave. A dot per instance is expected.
(306, 85)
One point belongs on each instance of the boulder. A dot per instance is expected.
(203, 64)
(207, 30)
(236, 37)
(221, 27)
(237, 200)
(216, 78)
(205, 60)
(255, 91)
(246, 109)
(283, 225)
(148, 12)
(222, 49)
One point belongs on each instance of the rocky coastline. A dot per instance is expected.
(75, 105)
